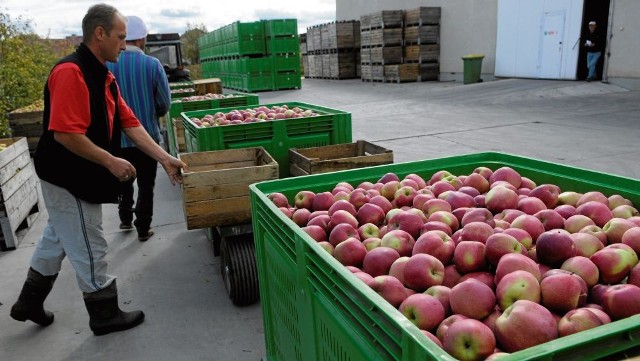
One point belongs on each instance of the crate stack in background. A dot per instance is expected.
(256, 56)
(422, 41)
(381, 43)
(333, 50)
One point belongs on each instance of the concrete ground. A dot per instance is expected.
(175, 277)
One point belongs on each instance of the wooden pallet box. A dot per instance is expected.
(206, 86)
(27, 125)
(426, 34)
(429, 71)
(386, 19)
(429, 53)
(423, 16)
(215, 187)
(20, 196)
(385, 37)
(305, 161)
(342, 65)
(386, 55)
(401, 73)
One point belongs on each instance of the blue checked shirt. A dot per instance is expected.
(144, 86)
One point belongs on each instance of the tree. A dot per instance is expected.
(189, 39)
(25, 62)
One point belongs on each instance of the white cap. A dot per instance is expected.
(136, 29)
(592, 22)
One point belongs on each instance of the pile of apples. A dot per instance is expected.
(182, 90)
(207, 96)
(484, 264)
(255, 115)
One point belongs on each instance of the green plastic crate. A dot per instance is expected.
(315, 309)
(254, 65)
(286, 63)
(330, 127)
(287, 80)
(280, 27)
(253, 82)
(239, 100)
(283, 45)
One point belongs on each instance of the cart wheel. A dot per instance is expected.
(238, 267)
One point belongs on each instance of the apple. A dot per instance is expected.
(568, 198)
(389, 288)
(387, 177)
(404, 196)
(327, 247)
(434, 205)
(485, 277)
(469, 340)
(441, 293)
(358, 197)
(517, 285)
(561, 292)
(342, 205)
(633, 255)
(509, 215)
(490, 320)
(423, 310)
(301, 216)
(531, 205)
(550, 219)
(501, 225)
(476, 231)
(435, 226)
(499, 244)
(368, 230)
(635, 219)
(423, 271)
(486, 172)
(477, 215)
(580, 319)
(443, 327)
(614, 264)
(371, 243)
(381, 202)
(477, 181)
(340, 217)
(459, 199)
(484, 299)
(621, 301)
(548, 193)
(316, 232)
(615, 229)
(432, 337)
(421, 198)
(389, 189)
(634, 275)
(322, 201)
(566, 210)
(596, 231)
(321, 220)
(593, 196)
(437, 244)
(577, 222)
(397, 268)
(350, 252)
(451, 276)
(399, 240)
(525, 324)
(516, 262)
(583, 267)
(632, 239)
(521, 236)
(364, 277)
(279, 199)
(370, 213)
(554, 247)
(529, 223)
(616, 200)
(624, 211)
(586, 244)
(501, 198)
(440, 187)
(597, 211)
(407, 221)
(304, 199)
(418, 179)
(342, 232)
(378, 261)
(445, 217)
(470, 256)
(506, 174)
(340, 195)
(287, 211)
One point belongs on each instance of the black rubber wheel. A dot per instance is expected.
(238, 268)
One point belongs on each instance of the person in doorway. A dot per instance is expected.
(145, 88)
(594, 45)
(79, 165)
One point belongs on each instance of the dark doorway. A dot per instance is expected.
(597, 10)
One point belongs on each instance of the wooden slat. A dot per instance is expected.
(14, 166)
(213, 157)
(337, 157)
(219, 212)
(224, 176)
(17, 180)
(215, 191)
(12, 203)
(333, 165)
(15, 147)
(295, 170)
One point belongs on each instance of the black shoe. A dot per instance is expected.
(143, 237)
(127, 226)
(105, 315)
(30, 302)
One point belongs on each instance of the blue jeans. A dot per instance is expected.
(592, 61)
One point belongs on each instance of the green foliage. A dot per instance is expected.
(25, 62)
(190, 50)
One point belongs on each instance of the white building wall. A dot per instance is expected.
(623, 65)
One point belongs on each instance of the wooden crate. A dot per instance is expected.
(341, 35)
(178, 132)
(401, 73)
(429, 71)
(20, 196)
(422, 16)
(206, 86)
(28, 125)
(386, 19)
(342, 65)
(385, 37)
(305, 161)
(426, 34)
(326, 65)
(215, 188)
(422, 53)
(386, 55)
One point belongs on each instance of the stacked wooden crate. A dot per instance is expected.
(422, 41)
(381, 43)
(333, 50)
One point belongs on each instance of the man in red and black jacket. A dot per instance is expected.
(78, 162)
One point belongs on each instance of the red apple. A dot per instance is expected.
(615, 229)
(517, 285)
(301, 216)
(322, 201)
(423, 271)
(578, 320)
(381, 202)
(445, 217)
(469, 256)
(418, 179)
(531, 205)
(569, 198)
(477, 215)
(634, 275)
(548, 193)
(340, 217)
(378, 261)
(575, 223)
(279, 199)
(477, 181)
(304, 199)
(441, 293)
(506, 174)
(550, 219)
(327, 247)
(387, 177)
(598, 212)
(342, 232)
(554, 247)
(469, 340)
(613, 264)
(407, 221)
(432, 337)
(485, 277)
(499, 244)
(350, 252)
(593, 196)
(596, 231)
(316, 232)
(566, 210)
(583, 267)
(371, 243)
(525, 324)
(397, 268)
(434, 205)
(404, 196)
(521, 236)
(389, 288)
(423, 310)
(389, 189)
(586, 244)
(529, 223)
(632, 239)
(443, 327)
(437, 244)
(368, 230)
(476, 231)
(358, 197)
(624, 211)
(501, 198)
(621, 301)
(370, 213)
(399, 240)
(560, 292)
(343, 205)
(516, 262)
(484, 300)
(451, 276)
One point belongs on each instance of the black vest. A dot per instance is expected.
(55, 164)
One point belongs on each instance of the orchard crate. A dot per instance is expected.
(401, 73)
(422, 16)
(331, 158)
(280, 27)
(429, 53)
(20, 196)
(313, 304)
(331, 126)
(426, 34)
(27, 122)
(386, 55)
(215, 189)
(239, 99)
(205, 86)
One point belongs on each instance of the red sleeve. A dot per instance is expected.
(70, 111)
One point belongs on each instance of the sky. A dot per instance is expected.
(57, 19)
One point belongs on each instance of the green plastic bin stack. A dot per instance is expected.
(314, 308)
(330, 126)
(256, 56)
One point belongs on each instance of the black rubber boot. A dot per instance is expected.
(30, 302)
(105, 316)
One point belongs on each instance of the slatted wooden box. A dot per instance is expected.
(342, 65)
(215, 188)
(429, 71)
(423, 16)
(422, 53)
(206, 86)
(426, 34)
(21, 199)
(385, 37)
(386, 19)
(28, 125)
(386, 55)
(305, 161)
(401, 73)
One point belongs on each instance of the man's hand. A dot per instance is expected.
(173, 166)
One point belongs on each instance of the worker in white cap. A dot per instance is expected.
(594, 46)
(145, 87)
